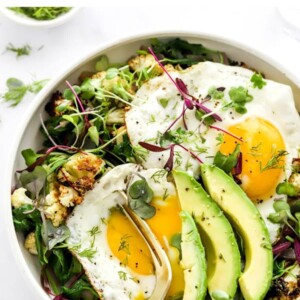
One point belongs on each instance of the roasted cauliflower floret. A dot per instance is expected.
(295, 181)
(110, 84)
(53, 209)
(147, 61)
(19, 198)
(142, 62)
(80, 171)
(57, 102)
(116, 116)
(68, 196)
(30, 244)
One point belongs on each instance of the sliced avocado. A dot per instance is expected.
(193, 260)
(222, 253)
(245, 217)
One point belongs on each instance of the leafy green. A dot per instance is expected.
(227, 162)
(30, 156)
(258, 81)
(54, 235)
(209, 120)
(34, 181)
(124, 150)
(139, 197)
(164, 102)
(25, 50)
(41, 13)
(80, 286)
(102, 64)
(40, 246)
(26, 217)
(178, 51)
(17, 90)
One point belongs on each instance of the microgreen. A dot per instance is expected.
(88, 253)
(102, 64)
(258, 81)
(54, 235)
(286, 188)
(139, 196)
(95, 230)
(227, 162)
(216, 93)
(25, 50)
(122, 275)
(17, 90)
(239, 97)
(158, 175)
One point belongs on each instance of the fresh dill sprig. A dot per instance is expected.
(25, 50)
(274, 161)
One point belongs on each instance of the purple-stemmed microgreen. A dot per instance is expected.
(226, 132)
(42, 158)
(189, 101)
(237, 170)
(86, 120)
(169, 164)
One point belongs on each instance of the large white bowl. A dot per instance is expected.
(117, 51)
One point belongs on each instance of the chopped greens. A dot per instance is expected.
(41, 13)
(240, 96)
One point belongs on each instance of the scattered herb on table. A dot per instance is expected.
(41, 13)
(16, 90)
(25, 50)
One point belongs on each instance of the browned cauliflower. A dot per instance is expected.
(30, 244)
(80, 171)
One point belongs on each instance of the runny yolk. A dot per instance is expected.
(165, 224)
(128, 245)
(263, 156)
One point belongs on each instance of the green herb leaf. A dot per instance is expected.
(102, 64)
(40, 246)
(36, 86)
(239, 97)
(30, 156)
(227, 162)
(88, 253)
(54, 235)
(176, 242)
(111, 73)
(94, 135)
(25, 50)
(41, 13)
(258, 81)
(164, 102)
(139, 195)
(215, 93)
(209, 120)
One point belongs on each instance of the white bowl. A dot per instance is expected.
(117, 51)
(25, 20)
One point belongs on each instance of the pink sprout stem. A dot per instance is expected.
(227, 132)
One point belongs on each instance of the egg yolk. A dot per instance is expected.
(165, 224)
(263, 156)
(128, 245)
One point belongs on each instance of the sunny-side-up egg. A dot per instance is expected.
(269, 130)
(114, 255)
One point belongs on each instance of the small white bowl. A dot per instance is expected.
(25, 20)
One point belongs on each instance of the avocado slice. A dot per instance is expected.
(257, 276)
(193, 260)
(222, 253)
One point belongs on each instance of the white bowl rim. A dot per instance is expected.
(25, 20)
(9, 166)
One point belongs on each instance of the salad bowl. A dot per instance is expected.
(121, 50)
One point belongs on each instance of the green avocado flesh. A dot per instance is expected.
(245, 217)
(222, 253)
(193, 260)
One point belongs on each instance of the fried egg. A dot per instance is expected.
(269, 130)
(115, 257)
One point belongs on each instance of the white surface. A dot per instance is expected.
(258, 27)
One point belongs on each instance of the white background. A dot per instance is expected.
(259, 26)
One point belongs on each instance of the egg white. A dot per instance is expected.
(148, 119)
(102, 267)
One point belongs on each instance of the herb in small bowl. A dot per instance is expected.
(39, 16)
